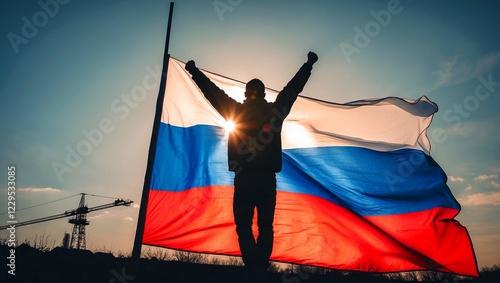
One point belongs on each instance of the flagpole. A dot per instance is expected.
(136, 251)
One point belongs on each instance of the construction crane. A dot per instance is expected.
(78, 219)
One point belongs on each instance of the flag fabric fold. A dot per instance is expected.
(358, 190)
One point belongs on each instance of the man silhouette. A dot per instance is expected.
(254, 154)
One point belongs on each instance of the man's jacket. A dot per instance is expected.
(255, 142)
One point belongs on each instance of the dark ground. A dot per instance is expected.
(60, 265)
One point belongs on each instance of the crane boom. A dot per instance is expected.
(72, 212)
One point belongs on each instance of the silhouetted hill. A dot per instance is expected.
(61, 265)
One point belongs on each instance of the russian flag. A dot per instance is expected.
(358, 189)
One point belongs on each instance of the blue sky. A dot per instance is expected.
(68, 69)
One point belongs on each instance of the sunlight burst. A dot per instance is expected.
(229, 126)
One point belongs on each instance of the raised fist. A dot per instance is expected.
(311, 58)
(190, 65)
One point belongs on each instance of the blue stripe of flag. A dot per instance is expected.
(365, 181)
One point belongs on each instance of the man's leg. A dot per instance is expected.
(266, 204)
(243, 210)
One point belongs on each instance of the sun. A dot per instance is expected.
(229, 126)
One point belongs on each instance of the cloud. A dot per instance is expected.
(468, 188)
(485, 177)
(485, 132)
(487, 63)
(128, 218)
(457, 69)
(39, 190)
(456, 179)
(481, 199)
(494, 184)
(100, 215)
(451, 69)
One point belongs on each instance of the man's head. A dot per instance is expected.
(255, 88)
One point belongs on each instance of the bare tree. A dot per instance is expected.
(158, 253)
(190, 257)
(41, 243)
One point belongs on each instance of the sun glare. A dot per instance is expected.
(229, 126)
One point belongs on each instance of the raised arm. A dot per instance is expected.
(217, 97)
(289, 94)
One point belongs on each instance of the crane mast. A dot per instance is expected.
(78, 219)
